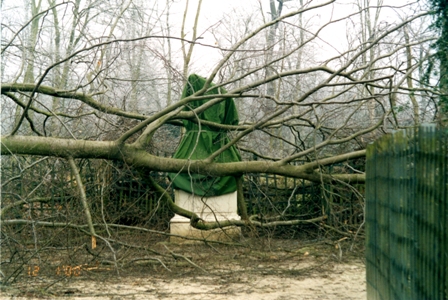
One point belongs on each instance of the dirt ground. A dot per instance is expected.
(272, 270)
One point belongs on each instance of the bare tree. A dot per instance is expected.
(108, 88)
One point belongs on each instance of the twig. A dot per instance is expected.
(176, 256)
(82, 195)
(150, 258)
(81, 228)
(4, 183)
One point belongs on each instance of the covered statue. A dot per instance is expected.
(200, 141)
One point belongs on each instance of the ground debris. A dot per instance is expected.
(281, 270)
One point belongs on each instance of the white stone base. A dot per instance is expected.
(209, 209)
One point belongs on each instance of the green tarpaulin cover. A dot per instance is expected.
(197, 145)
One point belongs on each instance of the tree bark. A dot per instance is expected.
(56, 147)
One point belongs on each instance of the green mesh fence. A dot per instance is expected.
(407, 215)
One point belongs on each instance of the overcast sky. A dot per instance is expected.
(213, 11)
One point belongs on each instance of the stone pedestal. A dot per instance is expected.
(209, 209)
